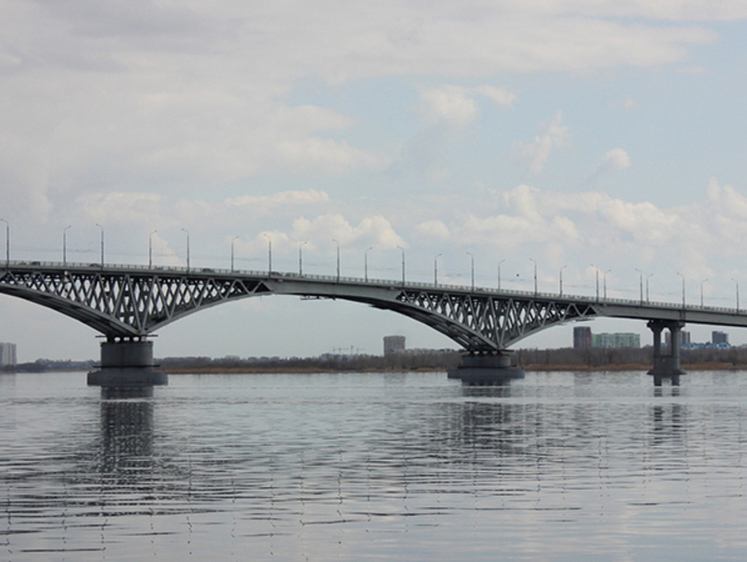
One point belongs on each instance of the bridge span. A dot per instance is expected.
(127, 303)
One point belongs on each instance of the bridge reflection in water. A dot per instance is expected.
(128, 303)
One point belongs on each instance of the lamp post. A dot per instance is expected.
(640, 280)
(737, 285)
(604, 274)
(338, 259)
(649, 276)
(683, 288)
(403, 264)
(102, 244)
(499, 274)
(232, 252)
(560, 277)
(701, 291)
(300, 257)
(435, 270)
(535, 276)
(597, 280)
(150, 249)
(365, 263)
(269, 253)
(187, 233)
(7, 242)
(64, 244)
(472, 270)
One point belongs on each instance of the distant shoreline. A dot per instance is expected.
(716, 366)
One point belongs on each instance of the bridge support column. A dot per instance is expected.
(666, 365)
(485, 369)
(126, 365)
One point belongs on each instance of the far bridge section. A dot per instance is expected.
(127, 303)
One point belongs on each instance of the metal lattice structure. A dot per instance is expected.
(131, 302)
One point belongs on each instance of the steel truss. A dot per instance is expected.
(488, 323)
(131, 303)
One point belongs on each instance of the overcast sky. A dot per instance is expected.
(589, 135)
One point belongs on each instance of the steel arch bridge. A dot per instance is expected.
(131, 302)
(128, 302)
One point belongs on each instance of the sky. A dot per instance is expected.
(593, 137)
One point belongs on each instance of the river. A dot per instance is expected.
(381, 466)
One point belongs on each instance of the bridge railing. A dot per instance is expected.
(181, 270)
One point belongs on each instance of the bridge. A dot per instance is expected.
(127, 303)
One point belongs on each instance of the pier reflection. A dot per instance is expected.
(126, 439)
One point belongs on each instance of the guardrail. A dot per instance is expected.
(96, 267)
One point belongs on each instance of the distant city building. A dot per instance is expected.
(684, 338)
(616, 341)
(394, 344)
(7, 354)
(719, 337)
(581, 337)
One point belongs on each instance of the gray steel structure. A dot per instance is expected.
(127, 302)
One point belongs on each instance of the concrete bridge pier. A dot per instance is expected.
(126, 368)
(485, 369)
(666, 365)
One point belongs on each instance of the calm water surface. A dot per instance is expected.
(559, 466)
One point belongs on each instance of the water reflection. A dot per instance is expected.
(126, 440)
(556, 466)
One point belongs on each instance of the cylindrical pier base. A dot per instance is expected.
(485, 370)
(127, 364)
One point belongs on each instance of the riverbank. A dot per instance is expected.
(258, 369)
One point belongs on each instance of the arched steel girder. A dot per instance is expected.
(123, 302)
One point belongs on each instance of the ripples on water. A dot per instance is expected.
(559, 466)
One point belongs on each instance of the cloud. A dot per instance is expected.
(536, 153)
(434, 229)
(450, 105)
(455, 106)
(326, 156)
(121, 207)
(321, 232)
(615, 160)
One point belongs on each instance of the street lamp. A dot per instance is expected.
(605, 282)
(560, 277)
(7, 242)
(365, 263)
(649, 276)
(338, 259)
(300, 257)
(535, 276)
(737, 284)
(499, 274)
(403, 264)
(701, 292)
(232, 252)
(102, 244)
(597, 275)
(150, 249)
(269, 253)
(683, 288)
(640, 280)
(472, 259)
(187, 233)
(64, 244)
(435, 270)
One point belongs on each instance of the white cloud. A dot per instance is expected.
(121, 207)
(450, 105)
(630, 103)
(615, 160)
(374, 231)
(326, 156)
(536, 153)
(455, 106)
(434, 229)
